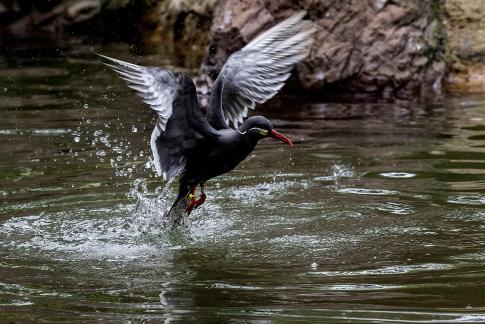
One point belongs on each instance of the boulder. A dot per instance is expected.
(21, 18)
(465, 23)
(371, 46)
(179, 27)
(173, 27)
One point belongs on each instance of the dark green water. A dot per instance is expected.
(377, 214)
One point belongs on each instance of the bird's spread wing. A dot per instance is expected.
(256, 72)
(180, 124)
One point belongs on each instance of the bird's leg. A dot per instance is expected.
(191, 196)
(195, 203)
(202, 198)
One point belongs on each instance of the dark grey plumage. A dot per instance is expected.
(183, 141)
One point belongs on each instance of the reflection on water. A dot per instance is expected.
(376, 214)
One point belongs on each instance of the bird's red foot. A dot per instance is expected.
(200, 201)
(190, 207)
(195, 203)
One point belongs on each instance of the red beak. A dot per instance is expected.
(280, 137)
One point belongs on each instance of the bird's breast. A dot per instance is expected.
(220, 158)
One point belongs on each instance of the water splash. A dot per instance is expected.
(152, 208)
(337, 172)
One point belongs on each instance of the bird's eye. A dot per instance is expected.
(261, 131)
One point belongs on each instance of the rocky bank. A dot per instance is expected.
(385, 47)
(382, 47)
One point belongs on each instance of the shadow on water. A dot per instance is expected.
(376, 214)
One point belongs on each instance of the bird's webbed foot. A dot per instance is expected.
(195, 203)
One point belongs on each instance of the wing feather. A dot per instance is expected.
(259, 70)
(156, 86)
(180, 125)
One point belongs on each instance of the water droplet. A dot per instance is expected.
(77, 139)
(314, 265)
(134, 129)
(86, 105)
(101, 153)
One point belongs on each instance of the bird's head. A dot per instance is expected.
(258, 127)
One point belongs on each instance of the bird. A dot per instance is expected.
(197, 148)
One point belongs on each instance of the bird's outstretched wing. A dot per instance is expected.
(255, 73)
(180, 125)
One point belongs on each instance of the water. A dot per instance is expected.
(376, 214)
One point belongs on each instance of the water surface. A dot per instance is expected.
(376, 214)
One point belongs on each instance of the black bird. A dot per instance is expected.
(199, 148)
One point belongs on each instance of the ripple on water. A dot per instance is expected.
(394, 208)
(391, 270)
(478, 257)
(467, 199)
(309, 244)
(362, 287)
(397, 175)
(18, 295)
(262, 192)
(18, 303)
(364, 191)
(35, 131)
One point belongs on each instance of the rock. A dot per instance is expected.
(23, 19)
(173, 27)
(372, 46)
(465, 23)
(180, 27)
